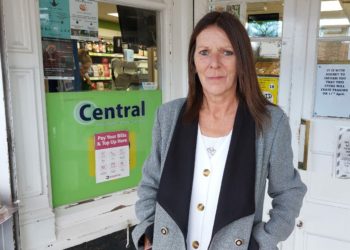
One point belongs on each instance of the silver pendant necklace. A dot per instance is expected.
(211, 151)
(212, 144)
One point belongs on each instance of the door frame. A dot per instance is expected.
(7, 229)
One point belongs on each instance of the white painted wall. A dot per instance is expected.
(181, 28)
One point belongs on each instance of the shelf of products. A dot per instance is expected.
(115, 55)
(268, 68)
(93, 78)
(121, 71)
(106, 54)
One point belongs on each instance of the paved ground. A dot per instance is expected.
(115, 241)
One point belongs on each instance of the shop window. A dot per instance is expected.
(264, 26)
(102, 90)
(332, 97)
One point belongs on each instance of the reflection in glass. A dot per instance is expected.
(267, 57)
(334, 18)
(333, 52)
(264, 19)
(234, 9)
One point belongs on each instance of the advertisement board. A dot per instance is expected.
(88, 129)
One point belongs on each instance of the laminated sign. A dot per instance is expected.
(342, 168)
(111, 155)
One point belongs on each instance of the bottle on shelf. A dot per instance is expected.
(145, 52)
(141, 51)
(110, 47)
(88, 46)
(102, 45)
(81, 44)
(96, 47)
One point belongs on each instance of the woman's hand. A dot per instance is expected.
(147, 244)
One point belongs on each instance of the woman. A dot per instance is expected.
(203, 184)
(85, 63)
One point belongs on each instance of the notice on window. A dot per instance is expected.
(84, 19)
(333, 90)
(342, 167)
(54, 19)
(58, 59)
(270, 50)
(269, 88)
(111, 156)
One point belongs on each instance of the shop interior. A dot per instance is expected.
(122, 56)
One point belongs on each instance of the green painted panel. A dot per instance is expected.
(74, 119)
(108, 25)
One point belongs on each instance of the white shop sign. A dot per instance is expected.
(332, 90)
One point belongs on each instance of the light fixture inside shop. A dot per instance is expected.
(330, 6)
(334, 22)
(113, 14)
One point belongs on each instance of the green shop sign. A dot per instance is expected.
(88, 157)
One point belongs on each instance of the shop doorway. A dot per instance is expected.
(321, 99)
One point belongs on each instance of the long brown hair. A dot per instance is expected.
(248, 90)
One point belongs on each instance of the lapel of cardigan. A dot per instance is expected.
(237, 198)
(175, 187)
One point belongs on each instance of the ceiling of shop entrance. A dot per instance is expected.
(341, 13)
(104, 9)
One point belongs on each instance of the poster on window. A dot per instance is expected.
(342, 167)
(332, 90)
(58, 59)
(111, 155)
(269, 88)
(54, 18)
(84, 19)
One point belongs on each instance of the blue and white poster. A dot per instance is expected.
(55, 18)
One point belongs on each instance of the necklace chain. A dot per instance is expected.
(216, 142)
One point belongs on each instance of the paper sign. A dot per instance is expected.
(270, 50)
(84, 19)
(342, 167)
(333, 90)
(111, 155)
(54, 19)
(58, 59)
(269, 88)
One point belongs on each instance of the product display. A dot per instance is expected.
(119, 71)
(264, 68)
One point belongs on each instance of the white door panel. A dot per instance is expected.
(334, 192)
(321, 242)
(327, 231)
